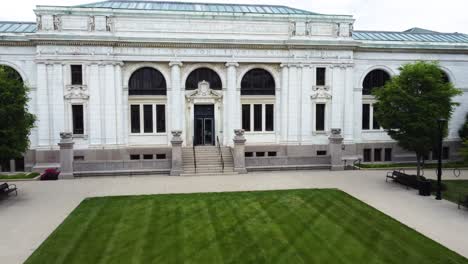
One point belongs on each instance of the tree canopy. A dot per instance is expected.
(15, 120)
(409, 105)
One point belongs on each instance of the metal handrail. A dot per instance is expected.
(194, 155)
(220, 152)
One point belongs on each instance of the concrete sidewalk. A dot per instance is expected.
(27, 220)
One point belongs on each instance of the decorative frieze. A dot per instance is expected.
(79, 92)
(57, 22)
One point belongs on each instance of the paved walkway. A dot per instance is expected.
(27, 220)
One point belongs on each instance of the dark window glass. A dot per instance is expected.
(19, 164)
(160, 118)
(445, 153)
(321, 152)
(135, 157)
(374, 79)
(257, 117)
(320, 76)
(148, 118)
(367, 155)
(147, 156)
(246, 117)
(271, 154)
(78, 158)
(445, 77)
(320, 117)
(76, 74)
(375, 122)
(260, 154)
(388, 154)
(78, 123)
(269, 117)
(258, 82)
(147, 81)
(249, 154)
(135, 118)
(203, 74)
(365, 116)
(160, 156)
(378, 154)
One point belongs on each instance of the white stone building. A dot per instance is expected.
(122, 74)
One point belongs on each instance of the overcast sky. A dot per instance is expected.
(390, 15)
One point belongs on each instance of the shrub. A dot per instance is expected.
(50, 174)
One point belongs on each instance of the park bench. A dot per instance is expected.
(401, 178)
(6, 189)
(463, 201)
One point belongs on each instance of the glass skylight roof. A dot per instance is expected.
(17, 27)
(415, 37)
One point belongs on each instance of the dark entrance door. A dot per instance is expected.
(204, 126)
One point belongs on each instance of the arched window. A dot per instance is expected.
(11, 73)
(445, 77)
(374, 79)
(258, 82)
(147, 81)
(203, 74)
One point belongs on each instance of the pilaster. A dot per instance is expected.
(42, 107)
(95, 127)
(232, 114)
(176, 102)
(283, 106)
(349, 105)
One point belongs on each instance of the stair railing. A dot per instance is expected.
(194, 155)
(220, 152)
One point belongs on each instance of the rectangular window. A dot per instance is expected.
(134, 157)
(367, 155)
(320, 76)
(365, 116)
(445, 153)
(378, 154)
(375, 123)
(246, 117)
(160, 156)
(272, 154)
(135, 118)
(148, 156)
(78, 158)
(260, 154)
(321, 152)
(160, 118)
(320, 117)
(148, 118)
(269, 117)
(257, 117)
(76, 74)
(249, 154)
(388, 154)
(77, 117)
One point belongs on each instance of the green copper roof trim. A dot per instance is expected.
(17, 27)
(197, 7)
(411, 37)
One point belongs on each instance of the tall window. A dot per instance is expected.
(147, 81)
(76, 74)
(374, 79)
(150, 117)
(203, 74)
(320, 76)
(77, 119)
(378, 154)
(366, 116)
(375, 123)
(388, 154)
(320, 117)
(258, 117)
(367, 155)
(257, 82)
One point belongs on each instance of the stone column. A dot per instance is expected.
(349, 105)
(176, 104)
(66, 155)
(42, 106)
(239, 151)
(232, 111)
(283, 106)
(94, 104)
(176, 142)
(336, 150)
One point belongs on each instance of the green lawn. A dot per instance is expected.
(454, 189)
(19, 176)
(297, 226)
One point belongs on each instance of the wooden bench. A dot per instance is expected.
(399, 177)
(463, 201)
(6, 189)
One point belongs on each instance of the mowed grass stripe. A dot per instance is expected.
(293, 226)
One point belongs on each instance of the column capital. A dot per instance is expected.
(175, 63)
(284, 65)
(232, 64)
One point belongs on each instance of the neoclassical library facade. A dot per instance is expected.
(121, 75)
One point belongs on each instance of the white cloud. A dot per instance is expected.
(391, 15)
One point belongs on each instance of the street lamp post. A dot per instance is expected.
(441, 126)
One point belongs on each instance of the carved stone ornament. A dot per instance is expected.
(76, 92)
(57, 22)
(239, 132)
(39, 22)
(292, 28)
(109, 24)
(336, 131)
(321, 92)
(66, 135)
(176, 133)
(91, 23)
(204, 92)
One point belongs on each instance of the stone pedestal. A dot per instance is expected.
(239, 151)
(176, 142)
(12, 166)
(66, 155)
(336, 150)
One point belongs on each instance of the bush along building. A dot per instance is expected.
(148, 87)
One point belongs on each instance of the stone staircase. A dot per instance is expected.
(208, 161)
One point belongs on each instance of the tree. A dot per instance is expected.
(409, 105)
(463, 133)
(15, 120)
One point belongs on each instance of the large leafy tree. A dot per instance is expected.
(15, 120)
(409, 105)
(463, 133)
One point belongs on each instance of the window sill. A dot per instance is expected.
(319, 133)
(81, 136)
(373, 131)
(149, 134)
(259, 132)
